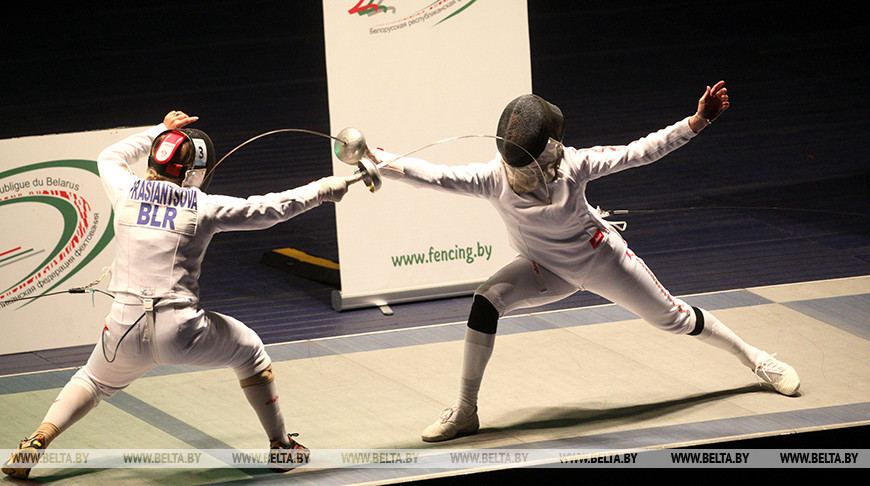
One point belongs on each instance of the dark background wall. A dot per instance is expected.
(774, 192)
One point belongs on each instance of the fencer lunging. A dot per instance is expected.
(163, 225)
(537, 185)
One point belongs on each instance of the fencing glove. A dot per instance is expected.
(333, 188)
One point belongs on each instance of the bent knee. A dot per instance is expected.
(258, 362)
(95, 388)
(483, 316)
(265, 376)
(492, 296)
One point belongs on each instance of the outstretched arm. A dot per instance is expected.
(596, 162)
(475, 179)
(712, 103)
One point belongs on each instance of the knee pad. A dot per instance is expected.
(265, 376)
(483, 316)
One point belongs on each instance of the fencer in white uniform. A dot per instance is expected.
(563, 245)
(163, 225)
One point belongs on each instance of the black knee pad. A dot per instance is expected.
(699, 322)
(484, 316)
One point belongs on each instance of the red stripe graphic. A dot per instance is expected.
(10, 251)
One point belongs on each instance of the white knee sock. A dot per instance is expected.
(717, 334)
(263, 397)
(476, 354)
(73, 402)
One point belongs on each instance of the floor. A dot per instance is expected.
(590, 380)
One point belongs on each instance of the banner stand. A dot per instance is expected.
(382, 299)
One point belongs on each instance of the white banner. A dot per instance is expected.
(56, 235)
(407, 74)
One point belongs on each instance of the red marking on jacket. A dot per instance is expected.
(597, 239)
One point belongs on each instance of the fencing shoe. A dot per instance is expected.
(25, 457)
(782, 377)
(285, 457)
(452, 422)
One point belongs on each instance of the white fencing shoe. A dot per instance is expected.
(452, 422)
(782, 377)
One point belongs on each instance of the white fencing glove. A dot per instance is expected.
(333, 188)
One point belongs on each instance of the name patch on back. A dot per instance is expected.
(160, 205)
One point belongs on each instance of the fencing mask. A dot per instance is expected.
(529, 140)
(186, 154)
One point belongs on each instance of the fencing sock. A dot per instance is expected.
(262, 394)
(713, 332)
(73, 402)
(475, 356)
(479, 341)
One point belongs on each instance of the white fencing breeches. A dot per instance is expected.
(617, 274)
(184, 335)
